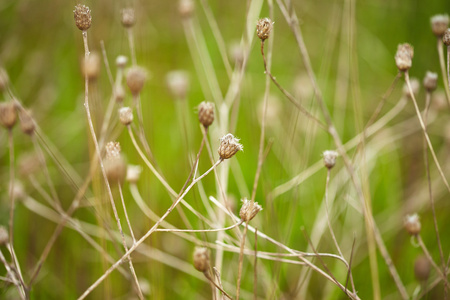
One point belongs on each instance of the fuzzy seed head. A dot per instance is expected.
(329, 158)
(178, 83)
(415, 86)
(201, 259)
(206, 113)
(125, 115)
(422, 268)
(27, 124)
(4, 80)
(229, 146)
(186, 8)
(412, 224)
(112, 150)
(136, 77)
(4, 236)
(119, 93)
(115, 166)
(446, 37)
(91, 66)
(263, 28)
(128, 18)
(430, 81)
(249, 210)
(403, 57)
(8, 115)
(121, 61)
(29, 164)
(82, 16)
(439, 24)
(133, 173)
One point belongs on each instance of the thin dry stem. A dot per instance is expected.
(440, 45)
(241, 260)
(430, 259)
(125, 212)
(255, 269)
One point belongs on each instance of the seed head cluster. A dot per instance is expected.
(126, 115)
(201, 259)
(439, 24)
(8, 115)
(136, 77)
(229, 146)
(206, 113)
(263, 28)
(329, 158)
(412, 224)
(27, 124)
(128, 18)
(404, 56)
(115, 166)
(430, 81)
(249, 210)
(446, 37)
(82, 16)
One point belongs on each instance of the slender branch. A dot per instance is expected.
(241, 261)
(125, 212)
(442, 65)
(255, 269)
(430, 259)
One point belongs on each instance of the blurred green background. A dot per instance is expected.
(352, 46)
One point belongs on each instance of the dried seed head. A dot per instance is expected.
(186, 8)
(125, 115)
(422, 268)
(115, 166)
(136, 77)
(91, 66)
(8, 115)
(28, 164)
(27, 124)
(229, 146)
(4, 80)
(403, 57)
(128, 18)
(430, 81)
(329, 158)
(412, 224)
(249, 210)
(82, 16)
(446, 37)
(4, 236)
(133, 173)
(263, 28)
(415, 86)
(236, 53)
(119, 93)
(121, 61)
(439, 24)
(206, 113)
(178, 83)
(201, 259)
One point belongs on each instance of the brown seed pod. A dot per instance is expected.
(403, 57)
(430, 81)
(128, 18)
(115, 165)
(439, 24)
(8, 115)
(82, 16)
(446, 37)
(412, 224)
(263, 28)
(201, 259)
(206, 113)
(329, 158)
(422, 268)
(125, 115)
(136, 77)
(27, 124)
(229, 146)
(249, 210)
(186, 8)
(91, 66)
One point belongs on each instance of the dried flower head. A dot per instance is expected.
(115, 166)
(27, 124)
(4, 79)
(415, 86)
(29, 164)
(133, 173)
(430, 81)
(121, 61)
(422, 268)
(128, 18)
(263, 28)
(178, 83)
(136, 77)
(412, 224)
(329, 158)
(237, 53)
(119, 93)
(91, 66)
(201, 259)
(439, 24)
(229, 146)
(186, 8)
(125, 115)
(404, 56)
(206, 113)
(249, 210)
(82, 16)
(8, 115)
(4, 236)
(446, 37)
